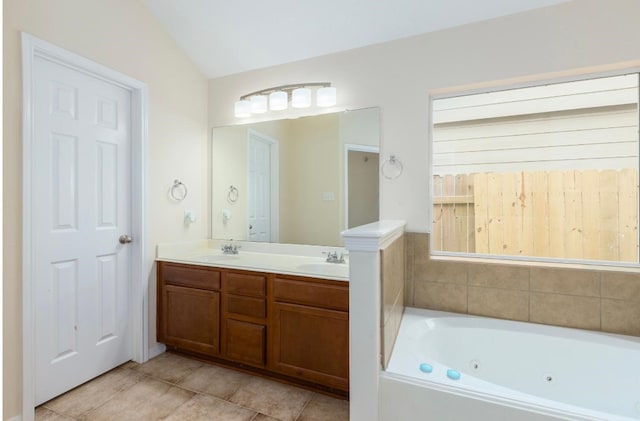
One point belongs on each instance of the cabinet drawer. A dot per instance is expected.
(190, 276)
(241, 283)
(245, 342)
(247, 306)
(311, 293)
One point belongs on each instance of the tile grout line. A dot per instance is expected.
(137, 371)
(303, 407)
(59, 413)
(92, 409)
(198, 392)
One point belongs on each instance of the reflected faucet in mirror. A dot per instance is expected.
(229, 249)
(303, 180)
(333, 257)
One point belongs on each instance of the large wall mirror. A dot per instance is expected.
(296, 181)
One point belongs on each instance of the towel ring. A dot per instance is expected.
(385, 168)
(178, 191)
(232, 194)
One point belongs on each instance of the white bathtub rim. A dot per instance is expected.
(620, 340)
(535, 404)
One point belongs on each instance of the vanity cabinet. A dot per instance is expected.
(189, 308)
(244, 317)
(309, 336)
(290, 327)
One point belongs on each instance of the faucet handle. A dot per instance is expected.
(332, 257)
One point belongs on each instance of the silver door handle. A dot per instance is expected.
(125, 239)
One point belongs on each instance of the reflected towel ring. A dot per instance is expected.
(178, 191)
(232, 194)
(392, 161)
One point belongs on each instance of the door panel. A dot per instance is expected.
(81, 191)
(64, 303)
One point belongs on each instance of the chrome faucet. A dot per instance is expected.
(332, 257)
(229, 249)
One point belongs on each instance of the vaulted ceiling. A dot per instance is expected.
(224, 37)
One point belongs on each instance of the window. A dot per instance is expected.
(548, 171)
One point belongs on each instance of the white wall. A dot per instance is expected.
(364, 186)
(123, 35)
(311, 169)
(580, 36)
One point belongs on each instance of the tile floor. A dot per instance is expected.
(171, 387)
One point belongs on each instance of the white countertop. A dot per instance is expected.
(285, 259)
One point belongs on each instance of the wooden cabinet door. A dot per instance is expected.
(190, 319)
(310, 343)
(245, 342)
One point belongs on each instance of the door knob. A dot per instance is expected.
(250, 227)
(125, 239)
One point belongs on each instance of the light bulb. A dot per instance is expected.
(242, 108)
(258, 104)
(278, 101)
(301, 98)
(326, 97)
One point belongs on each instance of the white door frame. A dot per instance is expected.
(359, 148)
(33, 47)
(274, 199)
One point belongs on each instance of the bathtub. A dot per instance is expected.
(447, 366)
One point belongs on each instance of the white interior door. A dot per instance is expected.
(259, 188)
(81, 191)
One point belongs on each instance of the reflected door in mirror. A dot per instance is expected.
(259, 188)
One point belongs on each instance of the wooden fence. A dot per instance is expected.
(577, 214)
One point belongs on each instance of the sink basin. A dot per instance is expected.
(323, 267)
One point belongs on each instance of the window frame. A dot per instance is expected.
(511, 84)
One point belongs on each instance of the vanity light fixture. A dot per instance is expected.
(299, 94)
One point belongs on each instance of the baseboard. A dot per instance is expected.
(16, 418)
(157, 350)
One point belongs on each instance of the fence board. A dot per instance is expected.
(608, 186)
(481, 219)
(494, 213)
(628, 215)
(540, 198)
(453, 212)
(448, 217)
(555, 183)
(510, 215)
(577, 214)
(573, 214)
(437, 228)
(590, 215)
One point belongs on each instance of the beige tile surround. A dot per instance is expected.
(392, 260)
(580, 298)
